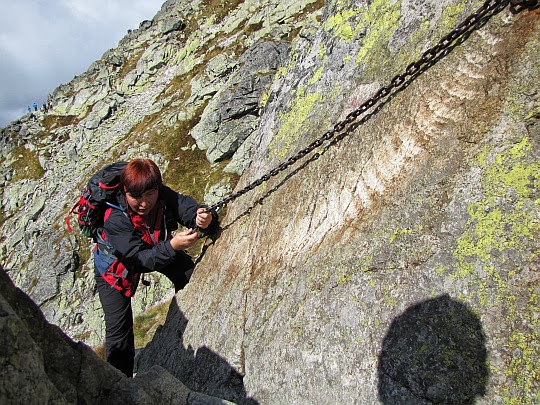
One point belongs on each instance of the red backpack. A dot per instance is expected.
(96, 197)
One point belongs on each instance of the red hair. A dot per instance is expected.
(140, 175)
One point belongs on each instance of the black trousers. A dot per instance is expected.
(119, 338)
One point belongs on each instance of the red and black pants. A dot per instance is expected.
(119, 338)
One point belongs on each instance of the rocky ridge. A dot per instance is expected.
(399, 265)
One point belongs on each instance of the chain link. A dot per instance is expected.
(431, 56)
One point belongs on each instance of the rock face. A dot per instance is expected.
(233, 114)
(396, 263)
(400, 266)
(40, 364)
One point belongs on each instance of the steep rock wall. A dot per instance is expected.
(401, 266)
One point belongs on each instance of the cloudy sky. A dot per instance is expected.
(44, 43)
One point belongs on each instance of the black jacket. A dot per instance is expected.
(127, 243)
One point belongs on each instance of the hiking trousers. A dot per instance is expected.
(119, 338)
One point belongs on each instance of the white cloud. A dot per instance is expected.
(84, 10)
(108, 11)
(44, 43)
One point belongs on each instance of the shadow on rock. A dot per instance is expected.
(201, 370)
(433, 353)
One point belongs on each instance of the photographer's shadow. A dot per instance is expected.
(202, 371)
(433, 353)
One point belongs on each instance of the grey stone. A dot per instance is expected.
(429, 207)
(233, 114)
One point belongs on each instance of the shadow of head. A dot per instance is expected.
(433, 353)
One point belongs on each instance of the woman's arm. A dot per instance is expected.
(190, 213)
(131, 250)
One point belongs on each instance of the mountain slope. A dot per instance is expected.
(397, 265)
(140, 99)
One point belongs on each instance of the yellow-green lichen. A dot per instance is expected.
(317, 75)
(505, 222)
(344, 278)
(272, 308)
(491, 229)
(380, 21)
(450, 17)
(440, 270)
(297, 330)
(293, 122)
(523, 367)
(264, 98)
(340, 25)
(413, 48)
(322, 52)
(280, 72)
(318, 282)
(191, 46)
(389, 298)
(399, 233)
(426, 34)
(535, 112)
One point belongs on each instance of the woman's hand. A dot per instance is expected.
(203, 219)
(185, 239)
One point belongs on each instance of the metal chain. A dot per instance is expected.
(457, 36)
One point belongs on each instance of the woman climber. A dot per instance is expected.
(137, 238)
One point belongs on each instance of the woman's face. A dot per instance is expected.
(144, 204)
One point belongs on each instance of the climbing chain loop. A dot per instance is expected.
(445, 45)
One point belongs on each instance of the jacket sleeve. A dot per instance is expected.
(186, 210)
(131, 250)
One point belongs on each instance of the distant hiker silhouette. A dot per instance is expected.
(35, 106)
